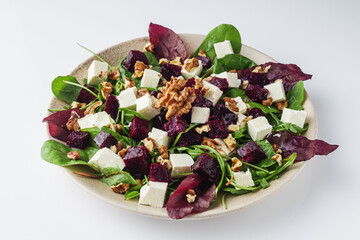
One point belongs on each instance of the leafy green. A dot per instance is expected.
(97, 56)
(296, 96)
(124, 139)
(234, 191)
(132, 192)
(241, 133)
(191, 126)
(269, 152)
(264, 183)
(121, 177)
(64, 91)
(219, 34)
(288, 162)
(291, 127)
(153, 61)
(232, 61)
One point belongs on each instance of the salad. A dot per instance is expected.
(170, 129)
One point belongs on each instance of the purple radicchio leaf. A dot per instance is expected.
(167, 44)
(178, 207)
(305, 148)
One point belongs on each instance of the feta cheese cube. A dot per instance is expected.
(145, 106)
(200, 114)
(97, 71)
(106, 158)
(160, 136)
(213, 93)
(181, 164)
(241, 117)
(153, 194)
(98, 120)
(240, 104)
(193, 73)
(258, 128)
(223, 48)
(243, 179)
(293, 116)
(127, 98)
(276, 91)
(222, 149)
(150, 79)
(232, 79)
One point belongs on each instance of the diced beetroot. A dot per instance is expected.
(205, 61)
(256, 93)
(104, 139)
(218, 129)
(258, 79)
(137, 160)
(155, 93)
(200, 101)
(131, 59)
(175, 126)
(222, 112)
(159, 120)
(189, 138)
(111, 106)
(85, 96)
(221, 83)
(57, 123)
(78, 139)
(170, 70)
(255, 112)
(244, 74)
(139, 128)
(190, 82)
(159, 173)
(251, 153)
(178, 207)
(207, 166)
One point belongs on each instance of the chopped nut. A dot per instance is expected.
(267, 102)
(142, 92)
(231, 103)
(233, 128)
(114, 74)
(244, 122)
(208, 79)
(260, 69)
(91, 109)
(236, 164)
(277, 158)
(244, 84)
(117, 127)
(159, 159)
(209, 142)
(247, 105)
(202, 53)
(230, 142)
(163, 81)
(74, 155)
(72, 124)
(167, 164)
(163, 61)
(122, 152)
(278, 80)
(279, 151)
(191, 64)
(149, 144)
(129, 83)
(139, 182)
(176, 61)
(281, 105)
(106, 89)
(102, 74)
(116, 148)
(75, 104)
(275, 147)
(163, 150)
(190, 196)
(149, 47)
(139, 68)
(121, 188)
(199, 83)
(233, 71)
(203, 128)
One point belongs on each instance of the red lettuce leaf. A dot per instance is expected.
(57, 123)
(178, 207)
(167, 44)
(305, 148)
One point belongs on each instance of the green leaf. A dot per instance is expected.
(232, 61)
(124, 73)
(133, 192)
(291, 128)
(119, 177)
(153, 61)
(288, 162)
(124, 139)
(264, 183)
(94, 131)
(234, 191)
(269, 152)
(219, 34)
(240, 133)
(64, 91)
(296, 96)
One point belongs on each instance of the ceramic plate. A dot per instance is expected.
(234, 203)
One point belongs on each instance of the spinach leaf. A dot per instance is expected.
(94, 131)
(153, 61)
(124, 139)
(65, 91)
(132, 192)
(119, 177)
(296, 96)
(219, 34)
(269, 152)
(291, 128)
(273, 119)
(232, 61)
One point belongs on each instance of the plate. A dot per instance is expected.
(114, 55)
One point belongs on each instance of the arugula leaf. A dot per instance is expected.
(153, 61)
(269, 152)
(133, 192)
(241, 133)
(291, 128)
(234, 191)
(124, 139)
(219, 34)
(296, 96)
(64, 91)
(232, 61)
(264, 183)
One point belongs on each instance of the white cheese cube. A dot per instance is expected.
(213, 93)
(97, 71)
(193, 73)
(276, 91)
(258, 128)
(222, 149)
(200, 114)
(160, 136)
(86, 121)
(106, 158)
(241, 117)
(293, 116)
(181, 164)
(150, 79)
(127, 98)
(223, 48)
(145, 106)
(232, 79)
(153, 194)
(243, 179)
(240, 104)
(98, 120)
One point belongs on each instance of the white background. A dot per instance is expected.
(38, 42)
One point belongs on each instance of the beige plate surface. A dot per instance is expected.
(114, 55)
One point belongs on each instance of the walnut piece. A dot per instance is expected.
(74, 155)
(121, 188)
(139, 68)
(114, 74)
(202, 53)
(203, 128)
(233, 128)
(209, 142)
(235, 164)
(142, 92)
(149, 47)
(72, 124)
(149, 144)
(106, 89)
(245, 121)
(122, 152)
(191, 64)
(277, 158)
(231, 103)
(163, 61)
(244, 84)
(129, 83)
(163, 150)
(281, 105)
(116, 148)
(260, 69)
(230, 142)
(267, 102)
(177, 62)
(91, 109)
(75, 104)
(190, 196)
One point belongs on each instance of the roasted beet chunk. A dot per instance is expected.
(200, 101)
(159, 173)
(244, 74)
(104, 139)
(139, 128)
(85, 96)
(207, 166)
(251, 153)
(170, 70)
(175, 126)
(189, 138)
(159, 121)
(205, 61)
(255, 112)
(78, 139)
(221, 83)
(218, 129)
(111, 106)
(137, 160)
(190, 82)
(131, 59)
(256, 93)
(259, 79)
(222, 112)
